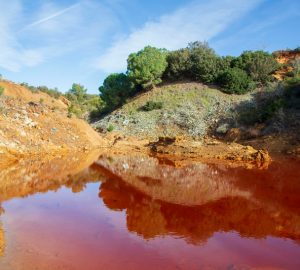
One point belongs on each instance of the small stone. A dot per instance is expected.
(222, 129)
(23, 133)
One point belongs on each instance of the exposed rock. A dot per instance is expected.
(233, 134)
(222, 129)
(28, 127)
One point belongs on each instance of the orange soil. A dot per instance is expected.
(285, 58)
(183, 150)
(28, 126)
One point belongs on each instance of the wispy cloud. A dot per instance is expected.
(12, 54)
(255, 34)
(54, 30)
(52, 16)
(195, 21)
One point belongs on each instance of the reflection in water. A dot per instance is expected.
(192, 202)
(209, 198)
(28, 177)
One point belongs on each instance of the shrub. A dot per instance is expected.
(74, 110)
(179, 65)
(1, 90)
(31, 88)
(115, 90)
(259, 65)
(55, 93)
(292, 92)
(296, 67)
(146, 67)
(110, 128)
(297, 49)
(272, 108)
(203, 62)
(224, 63)
(77, 92)
(235, 81)
(152, 105)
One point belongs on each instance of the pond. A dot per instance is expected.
(119, 211)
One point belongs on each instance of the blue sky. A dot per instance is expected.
(58, 42)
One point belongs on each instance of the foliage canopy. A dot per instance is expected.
(259, 65)
(146, 67)
(115, 90)
(235, 81)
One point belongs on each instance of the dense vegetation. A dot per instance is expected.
(197, 62)
(146, 67)
(235, 80)
(115, 90)
(82, 103)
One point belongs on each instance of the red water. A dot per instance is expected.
(118, 223)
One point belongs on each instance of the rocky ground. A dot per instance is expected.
(188, 109)
(181, 151)
(35, 124)
(193, 111)
(196, 123)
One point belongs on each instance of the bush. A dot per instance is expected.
(179, 65)
(259, 65)
(74, 110)
(55, 93)
(292, 92)
(152, 105)
(110, 128)
(77, 93)
(235, 81)
(224, 63)
(146, 67)
(296, 67)
(115, 90)
(297, 49)
(1, 90)
(204, 60)
(271, 108)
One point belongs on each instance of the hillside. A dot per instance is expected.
(19, 92)
(189, 109)
(35, 123)
(194, 110)
(286, 59)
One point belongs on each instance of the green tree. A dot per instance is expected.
(179, 65)
(78, 91)
(224, 62)
(146, 67)
(115, 90)
(259, 65)
(204, 65)
(235, 81)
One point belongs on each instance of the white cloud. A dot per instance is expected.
(30, 37)
(195, 21)
(12, 54)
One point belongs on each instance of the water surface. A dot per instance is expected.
(138, 212)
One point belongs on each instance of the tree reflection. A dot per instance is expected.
(248, 208)
(189, 200)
